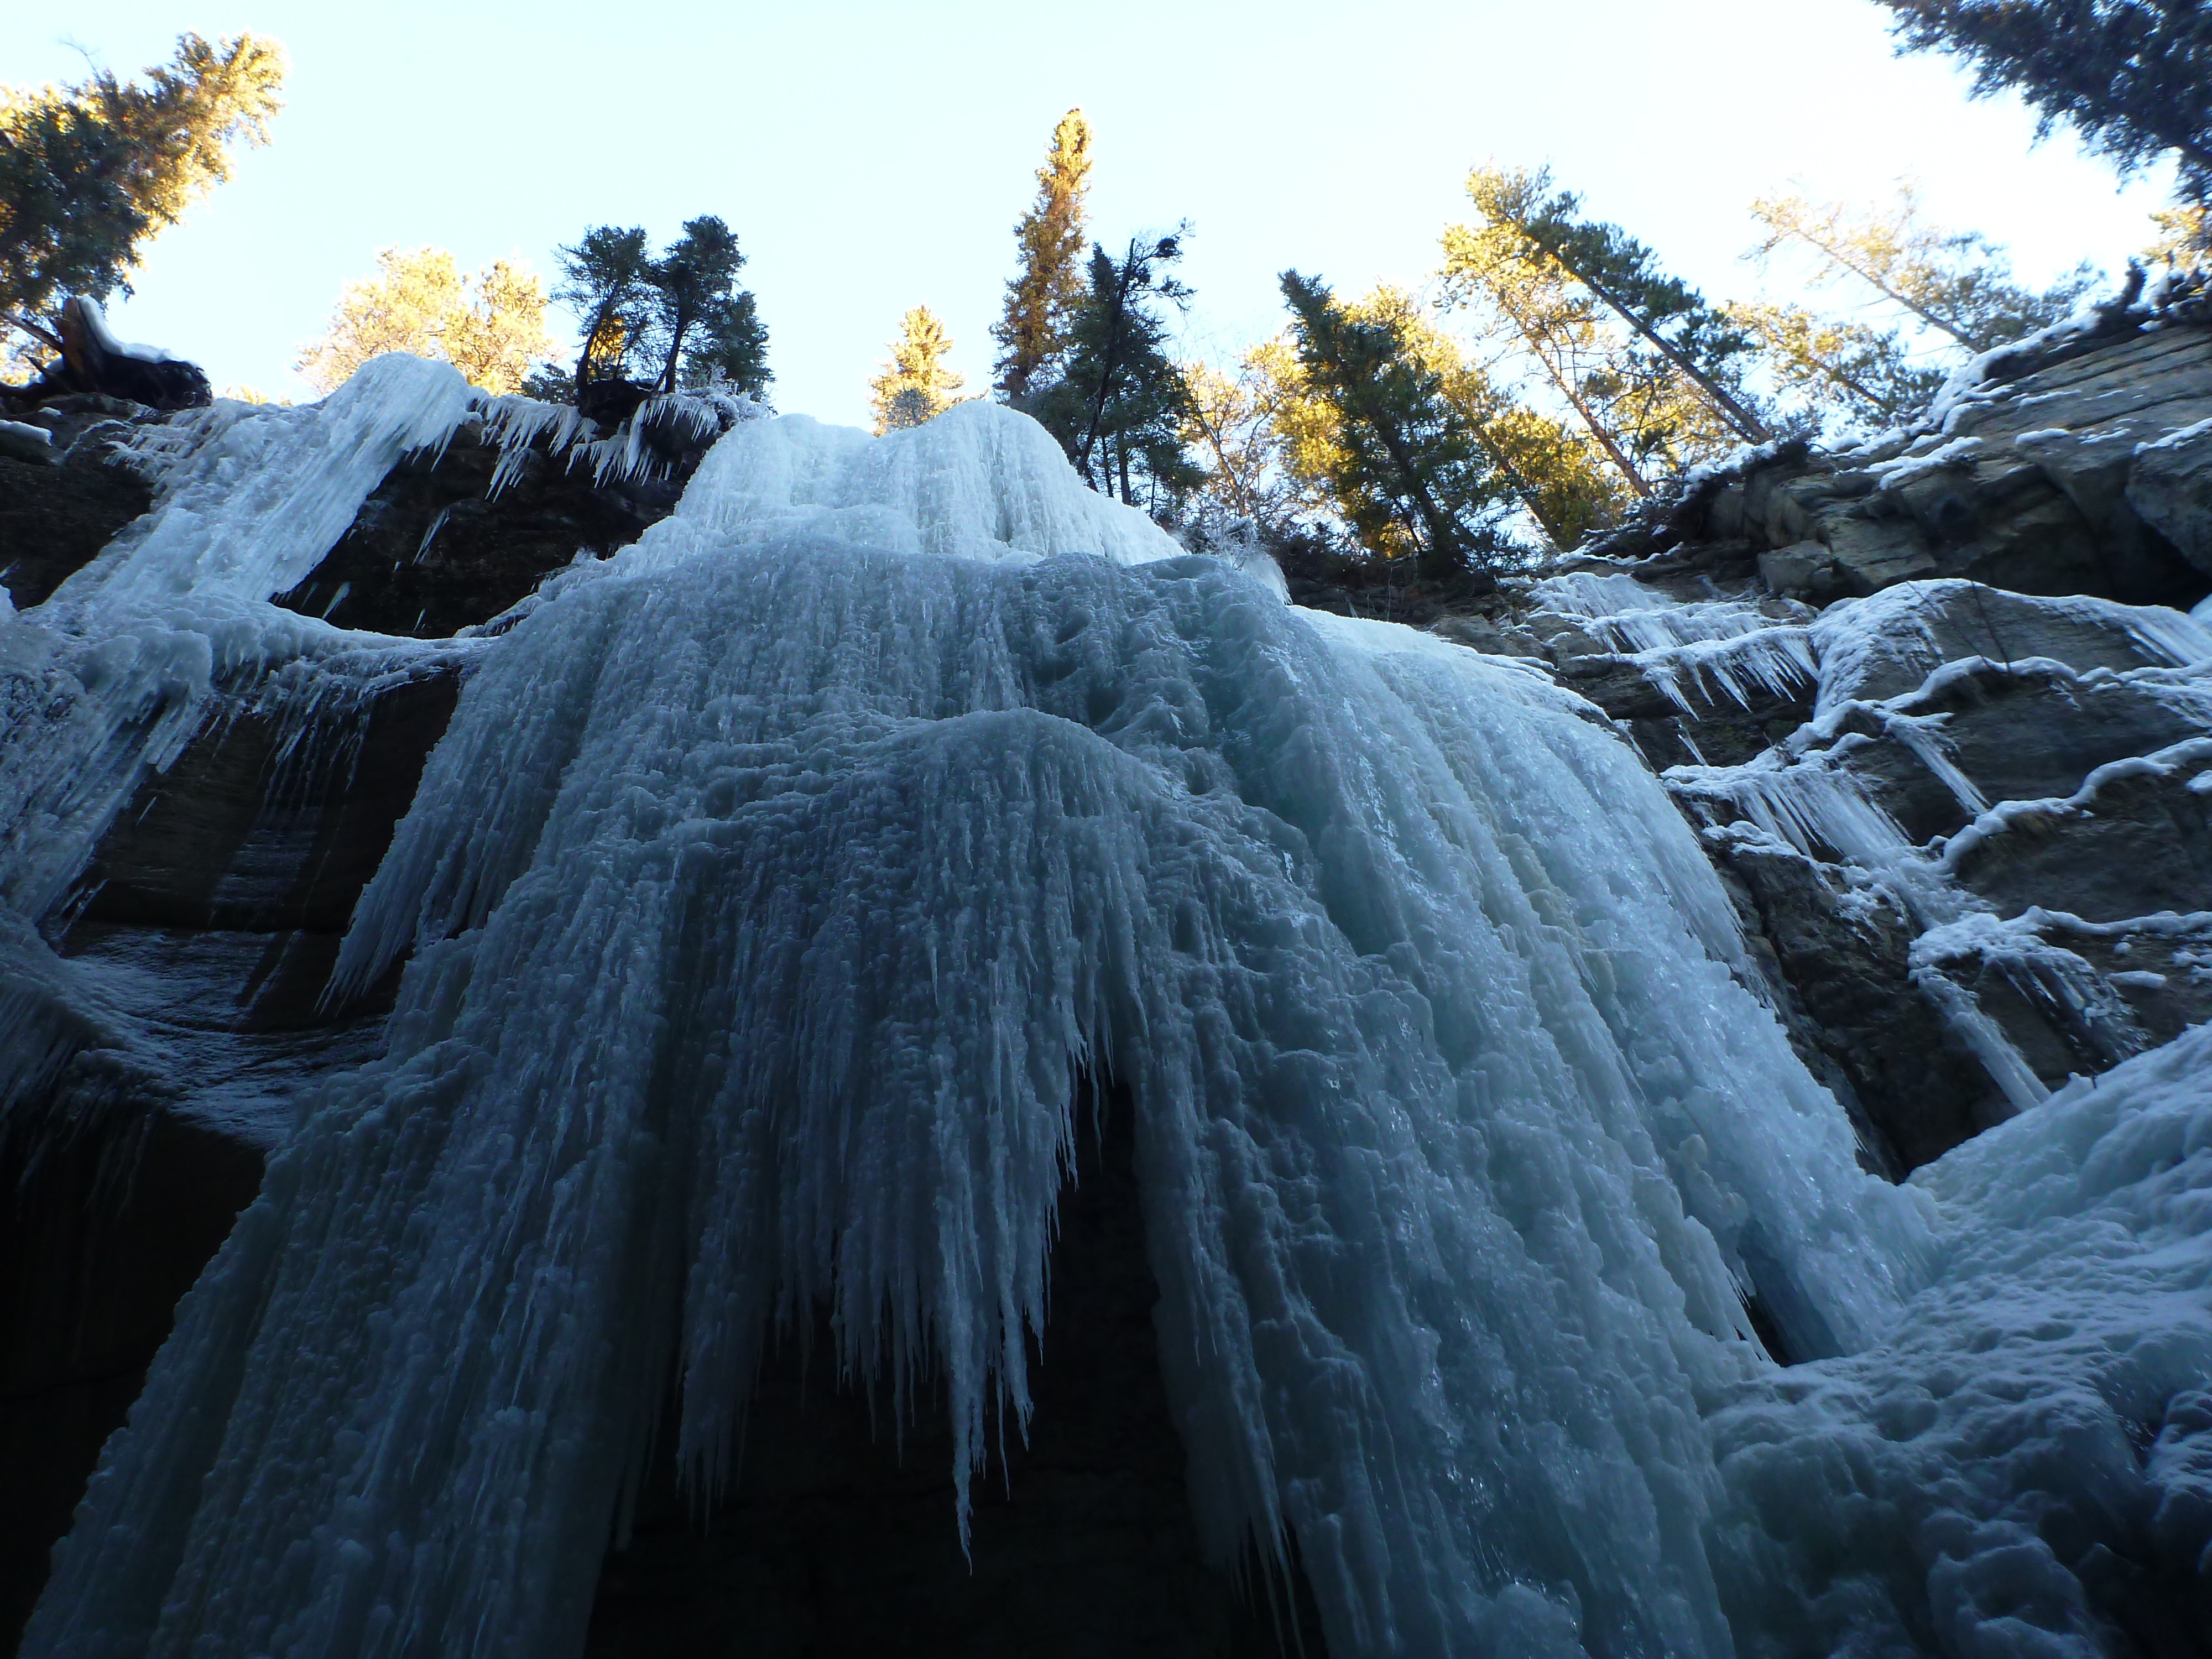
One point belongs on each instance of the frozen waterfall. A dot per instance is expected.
(773, 884)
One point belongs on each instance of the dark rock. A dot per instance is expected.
(100, 1233)
(2162, 970)
(2030, 484)
(216, 907)
(55, 518)
(2170, 487)
(2141, 843)
(431, 550)
(610, 403)
(1914, 1092)
(838, 1536)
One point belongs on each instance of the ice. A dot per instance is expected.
(773, 884)
(2024, 1467)
(1729, 644)
(170, 624)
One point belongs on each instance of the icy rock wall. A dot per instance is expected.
(123, 663)
(772, 884)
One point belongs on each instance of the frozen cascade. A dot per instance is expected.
(119, 669)
(769, 889)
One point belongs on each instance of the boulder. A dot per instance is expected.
(2170, 487)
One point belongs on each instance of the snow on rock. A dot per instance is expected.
(772, 884)
(96, 322)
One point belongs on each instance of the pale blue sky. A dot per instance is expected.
(872, 157)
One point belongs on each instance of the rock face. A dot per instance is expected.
(2077, 467)
(210, 917)
(1964, 821)
(447, 542)
(62, 501)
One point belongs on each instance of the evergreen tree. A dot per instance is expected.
(1049, 287)
(1404, 467)
(2134, 78)
(1955, 282)
(1118, 406)
(691, 283)
(679, 319)
(491, 325)
(90, 173)
(1558, 479)
(1693, 338)
(732, 349)
(915, 386)
(1841, 368)
(606, 279)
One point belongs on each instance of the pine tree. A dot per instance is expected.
(1119, 405)
(1508, 451)
(2134, 78)
(490, 325)
(732, 349)
(680, 320)
(1049, 287)
(1955, 282)
(1693, 338)
(915, 386)
(691, 283)
(606, 279)
(1404, 467)
(90, 173)
(1846, 368)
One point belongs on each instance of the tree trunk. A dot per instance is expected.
(1746, 423)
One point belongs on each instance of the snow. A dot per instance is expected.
(774, 884)
(95, 322)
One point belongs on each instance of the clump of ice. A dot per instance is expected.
(1722, 646)
(2025, 1467)
(775, 879)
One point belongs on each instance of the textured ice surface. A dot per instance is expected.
(2026, 1465)
(772, 883)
